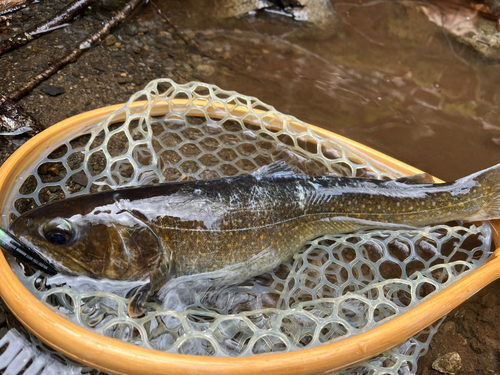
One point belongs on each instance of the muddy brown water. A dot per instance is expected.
(389, 79)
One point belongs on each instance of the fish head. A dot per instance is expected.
(90, 236)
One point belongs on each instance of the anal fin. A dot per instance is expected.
(349, 224)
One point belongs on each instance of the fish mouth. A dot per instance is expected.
(77, 267)
(13, 245)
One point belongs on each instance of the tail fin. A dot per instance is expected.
(489, 179)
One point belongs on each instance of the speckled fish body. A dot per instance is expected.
(235, 228)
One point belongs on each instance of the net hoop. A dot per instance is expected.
(118, 357)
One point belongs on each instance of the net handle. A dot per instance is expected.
(118, 357)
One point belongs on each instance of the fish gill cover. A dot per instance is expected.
(335, 287)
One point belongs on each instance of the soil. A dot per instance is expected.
(145, 48)
(471, 330)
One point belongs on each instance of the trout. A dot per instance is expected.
(224, 231)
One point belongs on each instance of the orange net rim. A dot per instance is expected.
(117, 357)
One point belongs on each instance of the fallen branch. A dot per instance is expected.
(77, 52)
(10, 5)
(62, 17)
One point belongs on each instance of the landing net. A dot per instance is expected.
(336, 287)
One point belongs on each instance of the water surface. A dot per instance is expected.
(390, 79)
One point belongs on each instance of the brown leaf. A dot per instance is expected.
(457, 20)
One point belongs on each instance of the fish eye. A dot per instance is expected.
(58, 231)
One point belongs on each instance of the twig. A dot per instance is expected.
(77, 52)
(62, 17)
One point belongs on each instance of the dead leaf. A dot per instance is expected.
(457, 20)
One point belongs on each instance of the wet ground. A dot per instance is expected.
(389, 79)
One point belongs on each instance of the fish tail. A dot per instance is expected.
(489, 179)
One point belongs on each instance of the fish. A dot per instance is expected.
(225, 231)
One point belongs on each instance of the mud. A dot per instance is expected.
(390, 79)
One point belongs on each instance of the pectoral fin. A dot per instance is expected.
(161, 275)
(136, 305)
(157, 278)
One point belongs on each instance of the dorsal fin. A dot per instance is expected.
(417, 179)
(278, 168)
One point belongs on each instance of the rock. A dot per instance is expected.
(190, 34)
(80, 178)
(448, 364)
(206, 70)
(320, 15)
(233, 8)
(130, 30)
(123, 80)
(490, 299)
(110, 40)
(448, 327)
(43, 169)
(487, 315)
(54, 171)
(53, 90)
(196, 59)
(322, 18)
(166, 35)
(98, 66)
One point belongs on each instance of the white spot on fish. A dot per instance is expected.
(314, 185)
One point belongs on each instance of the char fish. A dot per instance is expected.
(228, 230)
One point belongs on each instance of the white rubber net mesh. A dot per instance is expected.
(336, 287)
